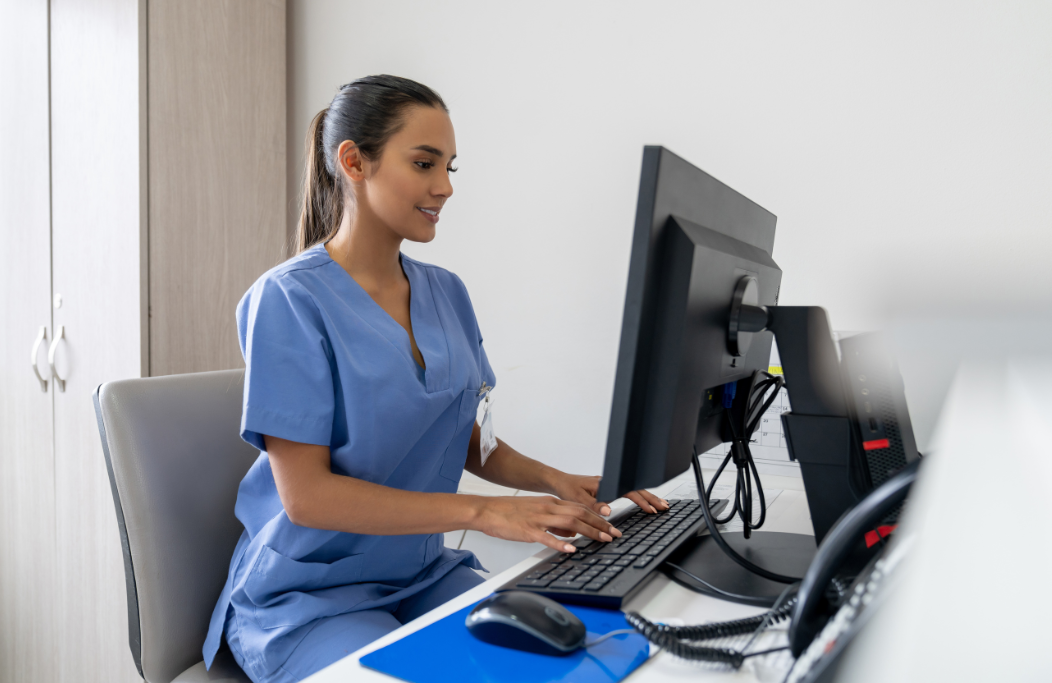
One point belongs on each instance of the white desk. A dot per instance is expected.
(661, 600)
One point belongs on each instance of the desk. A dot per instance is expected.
(661, 599)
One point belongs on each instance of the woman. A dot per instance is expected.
(365, 369)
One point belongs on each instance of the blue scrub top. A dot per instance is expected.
(326, 365)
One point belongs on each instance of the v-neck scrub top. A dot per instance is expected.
(326, 365)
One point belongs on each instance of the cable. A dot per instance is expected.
(610, 635)
(708, 589)
(679, 640)
(660, 635)
(760, 399)
(718, 538)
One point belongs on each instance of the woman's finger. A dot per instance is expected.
(642, 502)
(601, 508)
(593, 518)
(655, 501)
(553, 542)
(578, 526)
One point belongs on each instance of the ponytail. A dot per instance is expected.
(368, 112)
(322, 195)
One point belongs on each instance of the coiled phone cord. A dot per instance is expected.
(680, 640)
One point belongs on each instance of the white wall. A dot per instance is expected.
(905, 148)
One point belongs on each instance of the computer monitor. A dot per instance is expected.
(695, 239)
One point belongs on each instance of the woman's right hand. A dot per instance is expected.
(530, 518)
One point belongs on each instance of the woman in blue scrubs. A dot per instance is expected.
(364, 372)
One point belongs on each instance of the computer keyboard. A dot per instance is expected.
(608, 574)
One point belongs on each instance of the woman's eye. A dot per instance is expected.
(451, 169)
(424, 164)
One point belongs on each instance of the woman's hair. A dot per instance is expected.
(367, 111)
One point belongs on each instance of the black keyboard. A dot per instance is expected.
(609, 574)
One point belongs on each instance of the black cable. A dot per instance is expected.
(759, 400)
(681, 640)
(765, 652)
(707, 588)
(718, 538)
(660, 636)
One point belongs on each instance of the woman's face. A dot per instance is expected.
(409, 184)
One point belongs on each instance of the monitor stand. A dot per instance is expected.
(788, 554)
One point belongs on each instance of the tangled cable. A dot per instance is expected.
(679, 640)
(763, 392)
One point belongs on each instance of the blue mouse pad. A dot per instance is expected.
(446, 651)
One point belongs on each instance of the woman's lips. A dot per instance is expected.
(429, 214)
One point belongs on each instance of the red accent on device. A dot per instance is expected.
(876, 444)
(872, 537)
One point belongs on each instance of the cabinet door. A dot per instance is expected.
(27, 519)
(97, 204)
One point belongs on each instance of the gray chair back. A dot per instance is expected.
(175, 459)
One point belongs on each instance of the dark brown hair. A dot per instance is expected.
(367, 111)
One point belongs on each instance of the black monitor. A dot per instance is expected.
(695, 240)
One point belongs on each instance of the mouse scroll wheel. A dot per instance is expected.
(556, 616)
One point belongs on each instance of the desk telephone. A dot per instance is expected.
(825, 615)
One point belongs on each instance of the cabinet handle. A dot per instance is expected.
(41, 336)
(59, 382)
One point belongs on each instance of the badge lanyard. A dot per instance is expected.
(488, 441)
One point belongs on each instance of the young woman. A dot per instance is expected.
(365, 369)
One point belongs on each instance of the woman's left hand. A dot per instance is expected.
(582, 489)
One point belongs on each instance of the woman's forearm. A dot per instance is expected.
(313, 496)
(507, 467)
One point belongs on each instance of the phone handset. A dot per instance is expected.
(807, 619)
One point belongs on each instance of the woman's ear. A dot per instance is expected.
(350, 161)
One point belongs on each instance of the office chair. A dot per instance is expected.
(175, 458)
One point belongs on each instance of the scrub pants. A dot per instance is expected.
(333, 638)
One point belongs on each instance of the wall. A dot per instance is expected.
(904, 149)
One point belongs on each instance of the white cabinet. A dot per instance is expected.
(142, 183)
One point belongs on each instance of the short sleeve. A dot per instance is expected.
(289, 370)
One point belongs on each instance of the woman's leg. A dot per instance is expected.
(333, 638)
(457, 581)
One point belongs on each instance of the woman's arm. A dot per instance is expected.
(313, 496)
(507, 467)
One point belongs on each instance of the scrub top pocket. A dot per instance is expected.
(281, 587)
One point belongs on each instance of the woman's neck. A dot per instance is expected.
(368, 251)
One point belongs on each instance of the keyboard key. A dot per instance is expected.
(640, 563)
(606, 561)
(568, 585)
(613, 550)
(623, 563)
(541, 583)
(591, 561)
(535, 575)
(595, 586)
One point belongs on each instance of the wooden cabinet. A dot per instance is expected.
(142, 190)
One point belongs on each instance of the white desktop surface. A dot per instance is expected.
(661, 599)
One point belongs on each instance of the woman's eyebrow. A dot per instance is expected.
(433, 150)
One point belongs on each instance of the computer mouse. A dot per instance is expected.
(526, 621)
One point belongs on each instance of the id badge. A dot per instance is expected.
(488, 440)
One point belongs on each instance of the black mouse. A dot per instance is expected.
(526, 621)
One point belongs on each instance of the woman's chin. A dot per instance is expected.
(424, 235)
